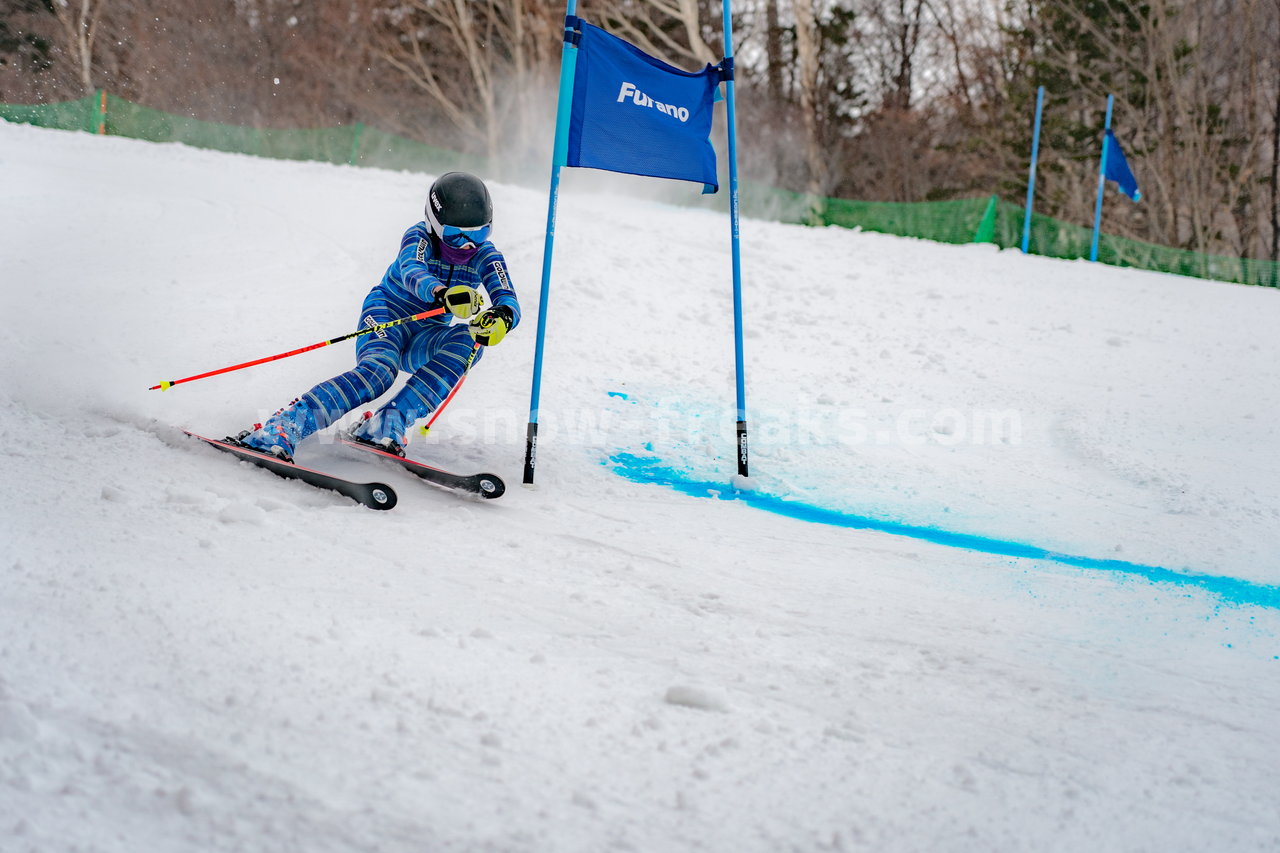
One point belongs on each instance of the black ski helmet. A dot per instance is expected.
(458, 199)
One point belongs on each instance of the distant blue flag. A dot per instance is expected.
(636, 114)
(1117, 169)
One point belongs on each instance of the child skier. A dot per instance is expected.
(442, 261)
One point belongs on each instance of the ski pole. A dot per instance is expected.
(425, 428)
(165, 386)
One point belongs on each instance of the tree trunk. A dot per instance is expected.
(807, 58)
(773, 51)
(79, 25)
(1275, 168)
(908, 40)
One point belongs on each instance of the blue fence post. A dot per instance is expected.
(735, 246)
(1102, 183)
(1031, 181)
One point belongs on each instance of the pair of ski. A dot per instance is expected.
(372, 495)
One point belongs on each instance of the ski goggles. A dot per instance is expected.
(465, 238)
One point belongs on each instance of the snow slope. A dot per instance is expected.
(196, 656)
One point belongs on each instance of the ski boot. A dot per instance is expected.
(384, 429)
(282, 431)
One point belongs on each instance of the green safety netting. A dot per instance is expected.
(989, 220)
(68, 115)
(985, 220)
(355, 145)
(1057, 239)
(388, 151)
(958, 221)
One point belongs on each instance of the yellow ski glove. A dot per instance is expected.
(491, 326)
(462, 301)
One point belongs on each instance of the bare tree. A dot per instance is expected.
(807, 85)
(1275, 146)
(79, 21)
(680, 32)
(1275, 179)
(481, 64)
(893, 41)
(773, 51)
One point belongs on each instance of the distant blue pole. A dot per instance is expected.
(1102, 183)
(735, 243)
(564, 105)
(1031, 182)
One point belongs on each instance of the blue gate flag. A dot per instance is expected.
(1117, 169)
(636, 114)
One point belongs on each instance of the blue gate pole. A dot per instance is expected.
(1031, 182)
(1102, 183)
(735, 244)
(564, 106)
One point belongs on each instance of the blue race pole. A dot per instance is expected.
(1031, 181)
(1102, 183)
(564, 104)
(735, 243)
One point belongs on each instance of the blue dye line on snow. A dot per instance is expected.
(641, 469)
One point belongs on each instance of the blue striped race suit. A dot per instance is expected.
(434, 350)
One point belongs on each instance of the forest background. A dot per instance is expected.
(879, 100)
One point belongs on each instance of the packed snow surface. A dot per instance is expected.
(198, 656)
